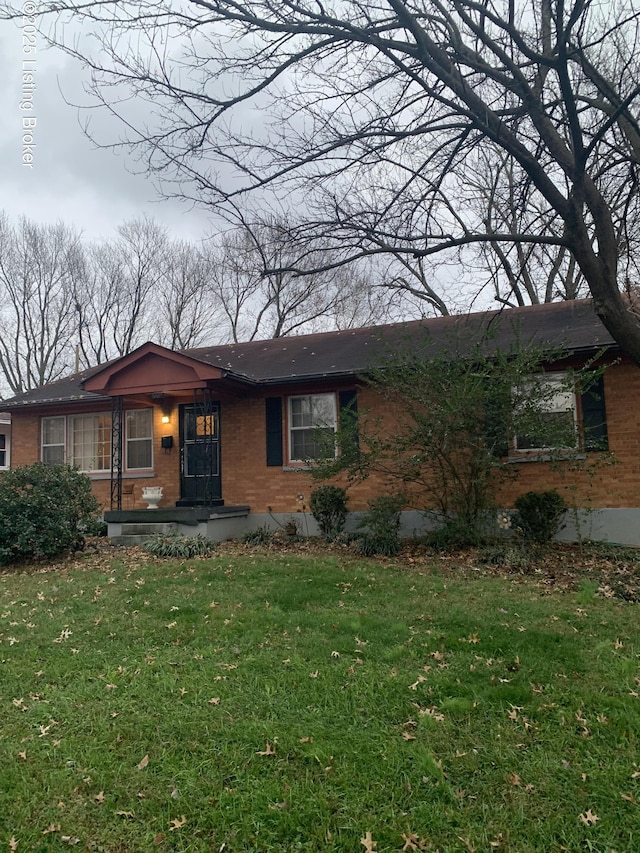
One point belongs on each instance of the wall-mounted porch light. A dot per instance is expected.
(164, 402)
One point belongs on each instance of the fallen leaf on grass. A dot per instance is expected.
(143, 763)
(269, 750)
(53, 827)
(99, 798)
(125, 815)
(305, 740)
(13, 844)
(159, 838)
(177, 822)
(410, 841)
(408, 736)
(368, 843)
(589, 818)
(215, 700)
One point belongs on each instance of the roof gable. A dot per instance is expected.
(151, 368)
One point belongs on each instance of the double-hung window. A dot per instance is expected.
(553, 415)
(4, 450)
(312, 425)
(139, 424)
(53, 440)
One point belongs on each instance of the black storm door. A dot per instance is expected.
(200, 452)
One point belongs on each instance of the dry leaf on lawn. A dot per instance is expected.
(589, 818)
(143, 763)
(410, 841)
(177, 822)
(269, 750)
(368, 843)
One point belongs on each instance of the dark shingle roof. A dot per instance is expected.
(572, 326)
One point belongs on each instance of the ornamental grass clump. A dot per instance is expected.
(177, 545)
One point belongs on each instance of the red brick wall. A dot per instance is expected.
(246, 479)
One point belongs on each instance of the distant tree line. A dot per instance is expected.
(67, 303)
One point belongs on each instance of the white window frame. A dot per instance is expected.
(62, 444)
(5, 426)
(564, 400)
(147, 438)
(291, 429)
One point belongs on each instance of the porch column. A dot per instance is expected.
(116, 452)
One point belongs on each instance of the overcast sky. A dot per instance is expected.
(69, 179)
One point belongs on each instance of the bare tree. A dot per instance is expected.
(375, 113)
(265, 283)
(113, 303)
(520, 273)
(186, 311)
(39, 269)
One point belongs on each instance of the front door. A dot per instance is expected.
(200, 454)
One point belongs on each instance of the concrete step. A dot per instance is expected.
(148, 528)
(128, 540)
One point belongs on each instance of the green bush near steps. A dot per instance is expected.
(45, 510)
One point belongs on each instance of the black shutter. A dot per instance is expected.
(348, 404)
(594, 417)
(273, 412)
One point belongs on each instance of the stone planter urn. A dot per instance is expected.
(152, 495)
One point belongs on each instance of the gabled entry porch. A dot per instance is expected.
(176, 446)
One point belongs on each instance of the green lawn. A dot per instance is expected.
(278, 702)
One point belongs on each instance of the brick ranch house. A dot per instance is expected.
(225, 430)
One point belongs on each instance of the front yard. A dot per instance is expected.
(278, 701)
